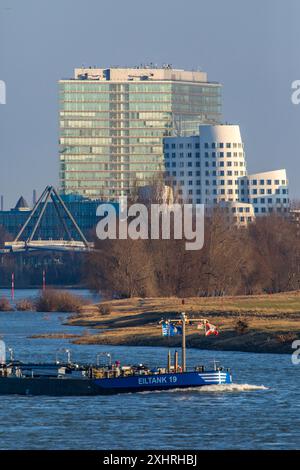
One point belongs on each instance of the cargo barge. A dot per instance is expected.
(74, 379)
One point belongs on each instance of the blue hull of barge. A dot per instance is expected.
(162, 381)
(68, 386)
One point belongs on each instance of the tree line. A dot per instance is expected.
(262, 258)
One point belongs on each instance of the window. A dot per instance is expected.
(206, 145)
(228, 145)
(262, 182)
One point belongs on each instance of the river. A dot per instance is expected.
(260, 411)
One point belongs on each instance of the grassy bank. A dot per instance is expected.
(270, 323)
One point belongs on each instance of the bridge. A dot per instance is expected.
(31, 243)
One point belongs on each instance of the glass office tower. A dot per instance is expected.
(113, 121)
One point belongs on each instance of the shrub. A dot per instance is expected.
(25, 305)
(5, 305)
(56, 301)
(241, 326)
(104, 309)
(286, 338)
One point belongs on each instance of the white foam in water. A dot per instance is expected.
(215, 389)
(231, 388)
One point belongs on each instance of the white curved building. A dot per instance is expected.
(205, 169)
(269, 192)
(210, 168)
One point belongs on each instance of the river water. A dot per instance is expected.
(260, 411)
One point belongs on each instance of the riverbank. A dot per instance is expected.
(265, 323)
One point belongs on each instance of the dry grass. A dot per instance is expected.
(25, 305)
(56, 301)
(272, 321)
(5, 305)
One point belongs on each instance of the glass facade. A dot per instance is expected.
(111, 132)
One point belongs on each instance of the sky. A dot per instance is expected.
(251, 47)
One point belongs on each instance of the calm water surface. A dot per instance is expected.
(260, 412)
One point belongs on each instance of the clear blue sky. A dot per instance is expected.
(251, 47)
